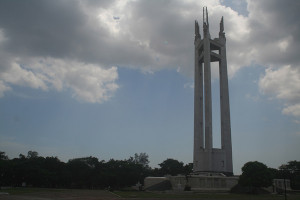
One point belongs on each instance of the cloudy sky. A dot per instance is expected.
(113, 78)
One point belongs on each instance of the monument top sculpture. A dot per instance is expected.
(205, 21)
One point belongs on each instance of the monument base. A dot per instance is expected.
(213, 182)
(202, 173)
(200, 182)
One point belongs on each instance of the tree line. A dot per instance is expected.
(86, 172)
(92, 173)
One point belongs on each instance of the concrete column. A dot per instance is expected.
(225, 108)
(207, 95)
(198, 109)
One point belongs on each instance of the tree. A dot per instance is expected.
(53, 168)
(255, 175)
(32, 154)
(172, 167)
(188, 168)
(81, 170)
(291, 171)
(22, 157)
(5, 169)
(292, 166)
(90, 161)
(3, 156)
(274, 172)
(142, 159)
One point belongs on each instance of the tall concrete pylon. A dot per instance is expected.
(207, 50)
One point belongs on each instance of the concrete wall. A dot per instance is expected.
(203, 183)
(151, 181)
(218, 160)
(281, 185)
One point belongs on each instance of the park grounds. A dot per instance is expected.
(76, 194)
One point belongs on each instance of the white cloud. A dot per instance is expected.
(88, 82)
(292, 110)
(17, 75)
(297, 122)
(91, 83)
(283, 83)
(144, 35)
(272, 43)
(254, 98)
(3, 88)
(284, 43)
(189, 85)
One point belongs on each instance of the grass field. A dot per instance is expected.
(57, 194)
(20, 191)
(204, 196)
(70, 194)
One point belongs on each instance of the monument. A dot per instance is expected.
(212, 167)
(207, 50)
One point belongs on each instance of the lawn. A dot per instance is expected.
(28, 190)
(204, 196)
(57, 194)
(64, 194)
